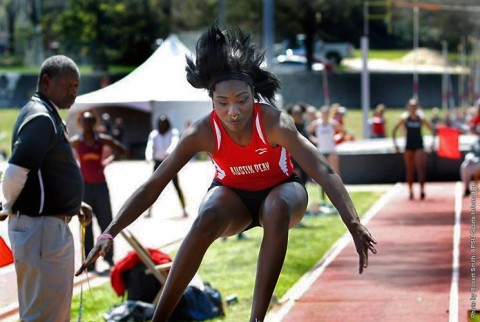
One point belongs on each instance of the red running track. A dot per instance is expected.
(410, 278)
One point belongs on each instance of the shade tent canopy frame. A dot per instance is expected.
(160, 79)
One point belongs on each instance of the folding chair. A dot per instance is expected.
(158, 271)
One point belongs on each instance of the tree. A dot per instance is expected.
(109, 31)
(436, 24)
(103, 32)
(11, 9)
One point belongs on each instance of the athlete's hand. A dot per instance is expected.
(100, 249)
(363, 243)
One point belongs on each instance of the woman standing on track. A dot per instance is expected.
(414, 155)
(249, 141)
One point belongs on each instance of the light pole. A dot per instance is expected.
(415, 52)
(365, 75)
(37, 55)
(268, 30)
(445, 89)
(476, 71)
(461, 78)
(222, 9)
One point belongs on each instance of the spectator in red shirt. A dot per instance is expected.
(377, 122)
(89, 147)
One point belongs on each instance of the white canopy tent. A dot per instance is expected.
(158, 86)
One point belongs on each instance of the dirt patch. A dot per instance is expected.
(424, 56)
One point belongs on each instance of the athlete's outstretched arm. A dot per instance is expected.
(148, 192)
(283, 132)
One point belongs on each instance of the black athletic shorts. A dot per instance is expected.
(254, 199)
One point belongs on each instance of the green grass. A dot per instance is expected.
(230, 265)
(475, 317)
(95, 301)
(354, 120)
(7, 121)
(382, 54)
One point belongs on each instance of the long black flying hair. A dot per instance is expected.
(230, 55)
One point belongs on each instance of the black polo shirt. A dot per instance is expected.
(40, 143)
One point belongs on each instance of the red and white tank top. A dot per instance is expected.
(91, 161)
(253, 167)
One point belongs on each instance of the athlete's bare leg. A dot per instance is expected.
(421, 171)
(283, 208)
(222, 213)
(409, 158)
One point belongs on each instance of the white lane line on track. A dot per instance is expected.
(453, 307)
(311, 276)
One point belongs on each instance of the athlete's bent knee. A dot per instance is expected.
(277, 212)
(208, 222)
